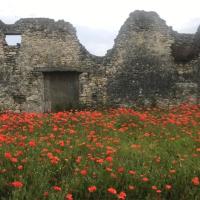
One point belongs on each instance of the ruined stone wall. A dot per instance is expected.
(141, 66)
(149, 64)
(46, 46)
(185, 53)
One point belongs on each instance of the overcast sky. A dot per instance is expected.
(98, 21)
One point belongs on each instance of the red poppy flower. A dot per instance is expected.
(20, 167)
(121, 195)
(32, 143)
(131, 187)
(195, 181)
(145, 179)
(8, 155)
(17, 184)
(57, 188)
(92, 188)
(153, 187)
(168, 187)
(109, 159)
(112, 190)
(83, 172)
(69, 197)
(132, 172)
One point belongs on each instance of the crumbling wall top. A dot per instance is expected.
(142, 30)
(140, 20)
(37, 24)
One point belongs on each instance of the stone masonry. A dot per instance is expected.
(149, 64)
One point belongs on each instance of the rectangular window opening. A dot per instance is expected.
(13, 40)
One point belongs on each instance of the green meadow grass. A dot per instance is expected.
(149, 154)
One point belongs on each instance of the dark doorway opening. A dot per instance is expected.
(61, 91)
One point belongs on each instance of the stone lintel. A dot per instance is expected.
(58, 69)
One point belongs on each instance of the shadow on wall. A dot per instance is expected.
(142, 81)
(186, 47)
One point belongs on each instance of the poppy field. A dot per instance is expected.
(118, 153)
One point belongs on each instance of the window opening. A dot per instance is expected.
(13, 40)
